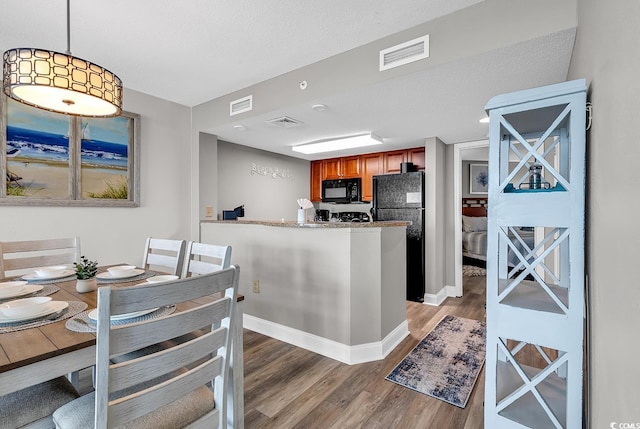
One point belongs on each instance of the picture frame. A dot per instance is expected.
(479, 178)
(50, 159)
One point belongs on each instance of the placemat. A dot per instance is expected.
(82, 323)
(145, 275)
(45, 291)
(74, 308)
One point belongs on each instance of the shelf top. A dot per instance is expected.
(539, 93)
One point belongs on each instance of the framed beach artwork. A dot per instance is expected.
(479, 178)
(53, 159)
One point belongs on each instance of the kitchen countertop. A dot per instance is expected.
(294, 224)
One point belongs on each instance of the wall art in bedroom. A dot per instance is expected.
(479, 178)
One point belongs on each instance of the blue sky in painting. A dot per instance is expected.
(112, 130)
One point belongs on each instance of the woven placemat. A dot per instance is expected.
(145, 275)
(82, 323)
(45, 291)
(74, 308)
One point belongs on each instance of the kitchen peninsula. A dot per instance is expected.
(334, 288)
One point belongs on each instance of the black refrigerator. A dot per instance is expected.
(401, 197)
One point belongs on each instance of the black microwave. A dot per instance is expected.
(342, 190)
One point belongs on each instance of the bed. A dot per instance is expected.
(474, 233)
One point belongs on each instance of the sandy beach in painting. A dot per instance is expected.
(48, 179)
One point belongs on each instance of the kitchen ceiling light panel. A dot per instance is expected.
(350, 142)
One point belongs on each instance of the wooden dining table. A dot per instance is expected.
(35, 355)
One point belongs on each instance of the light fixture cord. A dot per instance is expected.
(68, 27)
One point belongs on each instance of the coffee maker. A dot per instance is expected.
(322, 215)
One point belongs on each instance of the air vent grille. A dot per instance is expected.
(284, 122)
(405, 53)
(241, 105)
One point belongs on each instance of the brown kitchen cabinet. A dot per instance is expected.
(363, 166)
(371, 165)
(393, 159)
(316, 180)
(416, 156)
(342, 168)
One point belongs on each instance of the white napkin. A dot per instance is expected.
(304, 203)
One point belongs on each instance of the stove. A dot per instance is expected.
(351, 216)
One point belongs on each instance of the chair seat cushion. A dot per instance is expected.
(79, 414)
(34, 403)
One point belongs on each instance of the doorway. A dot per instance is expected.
(469, 151)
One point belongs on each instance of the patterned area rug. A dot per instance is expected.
(446, 363)
(473, 271)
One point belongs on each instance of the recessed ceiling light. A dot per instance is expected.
(319, 107)
(240, 127)
(484, 120)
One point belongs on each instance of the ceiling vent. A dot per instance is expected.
(284, 122)
(404, 53)
(241, 105)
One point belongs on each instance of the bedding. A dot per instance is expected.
(474, 244)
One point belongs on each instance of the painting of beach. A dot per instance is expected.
(39, 163)
(104, 157)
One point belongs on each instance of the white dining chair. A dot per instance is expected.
(164, 255)
(203, 258)
(172, 387)
(32, 407)
(17, 257)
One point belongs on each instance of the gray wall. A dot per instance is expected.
(435, 215)
(265, 197)
(607, 55)
(116, 234)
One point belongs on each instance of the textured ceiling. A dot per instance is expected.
(193, 51)
(190, 52)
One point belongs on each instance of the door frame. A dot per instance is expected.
(457, 207)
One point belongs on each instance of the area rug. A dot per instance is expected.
(446, 363)
(473, 271)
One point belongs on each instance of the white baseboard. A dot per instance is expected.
(438, 298)
(341, 352)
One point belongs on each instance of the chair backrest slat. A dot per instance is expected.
(204, 258)
(165, 255)
(167, 371)
(17, 257)
(131, 338)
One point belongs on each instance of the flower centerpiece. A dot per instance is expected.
(86, 271)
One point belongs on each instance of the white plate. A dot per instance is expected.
(24, 290)
(53, 307)
(107, 275)
(25, 306)
(93, 314)
(61, 274)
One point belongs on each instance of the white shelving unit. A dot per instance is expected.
(535, 282)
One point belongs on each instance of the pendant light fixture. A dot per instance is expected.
(61, 82)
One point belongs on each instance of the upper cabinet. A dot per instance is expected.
(363, 166)
(416, 156)
(392, 160)
(316, 180)
(371, 166)
(341, 168)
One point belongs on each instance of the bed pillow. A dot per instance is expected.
(472, 224)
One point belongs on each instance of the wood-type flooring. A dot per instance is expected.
(289, 387)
